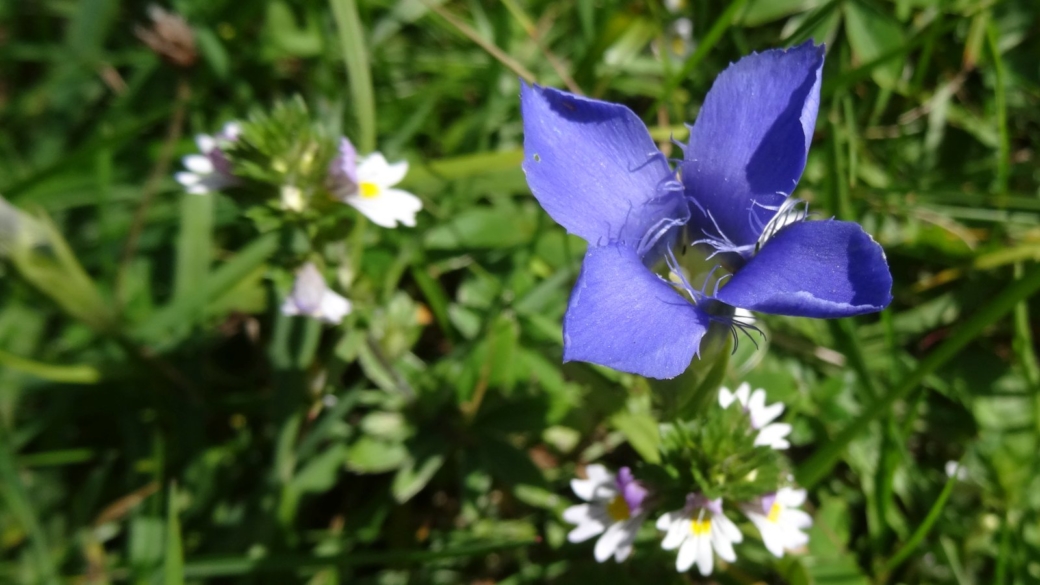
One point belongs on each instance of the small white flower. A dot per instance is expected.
(615, 509)
(780, 521)
(770, 434)
(311, 297)
(696, 531)
(954, 468)
(210, 170)
(366, 184)
(292, 198)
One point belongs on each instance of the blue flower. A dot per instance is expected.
(594, 168)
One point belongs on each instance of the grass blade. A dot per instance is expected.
(186, 309)
(352, 43)
(14, 495)
(816, 467)
(933, 515)
(194, 244)
(173, 565)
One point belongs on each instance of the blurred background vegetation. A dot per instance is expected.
(160, 421)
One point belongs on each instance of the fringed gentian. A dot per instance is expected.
(745, 155)
(594, 168)
(312, 297)
(616, 508)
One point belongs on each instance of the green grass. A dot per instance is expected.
(160, 421)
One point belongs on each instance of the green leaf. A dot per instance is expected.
(369, 455)
(640, 428)
(286, 37)
(65, 374)
(415, 474)
(872, 34)
(320, 473)
(503, 226)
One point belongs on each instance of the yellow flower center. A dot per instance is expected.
(618, 509)
(774, 513)
(700, 527)
(369, 190)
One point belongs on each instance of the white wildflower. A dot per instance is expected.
(311, 297)
(780, 521)
(770, 434)
(697, 530)
(615, 509)
(365, 183)
(210, 170)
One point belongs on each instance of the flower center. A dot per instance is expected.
(774, 513)
(618, 509)
(700, 527)
(369, 190)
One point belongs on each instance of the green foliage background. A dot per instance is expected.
(160, 422)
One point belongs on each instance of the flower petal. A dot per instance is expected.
(774, 436)
(722, 545)
(820, 269)
(772, 535)
(198, 164)
(726, 397)
(678, 532)
(594, 168)
(389, 208)
(665, 521)
(334, 307)
(585, 531)
(375, 169)
(761, 415)
(687, 553)
(705, 557)
(609, 542)
(727, 528)
(791, 497)
(751, 138)
(625, 317)
(630, 529)
(343, 171)
(797, 518)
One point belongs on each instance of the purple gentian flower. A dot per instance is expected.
(594, 168)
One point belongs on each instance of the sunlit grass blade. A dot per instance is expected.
(352, 43)
(194, 243)
(65, 374)
(173, 559)
(922, 529)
